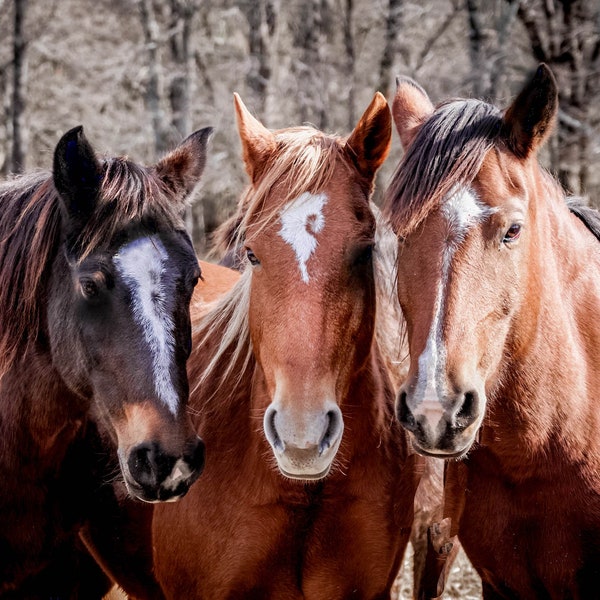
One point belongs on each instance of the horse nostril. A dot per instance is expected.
(331, 432)
(468, 411)
(404, 414)
(271, 431)
(149, 465)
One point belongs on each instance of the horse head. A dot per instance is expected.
(467, 202)
(118, 305)
(308, 235)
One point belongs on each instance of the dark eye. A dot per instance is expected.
(252, 257)
(195, 277)
(513, 233)
(89, 288)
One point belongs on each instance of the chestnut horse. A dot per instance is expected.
(309, 485)
(500, 286)
(389, 323)
(97, 275)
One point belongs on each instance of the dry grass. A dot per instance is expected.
(463, 583)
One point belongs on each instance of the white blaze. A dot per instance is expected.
(141, 265)
(461, 210)
(301, 219)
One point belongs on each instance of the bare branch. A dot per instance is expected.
(526, 15)
(437, 34)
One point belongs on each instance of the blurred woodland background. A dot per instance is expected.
(142, 74)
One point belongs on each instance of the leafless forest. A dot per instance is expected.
(141, 74)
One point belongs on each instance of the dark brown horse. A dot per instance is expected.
(500, 286)
(309, 486)
(97, 274)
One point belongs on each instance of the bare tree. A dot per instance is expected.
(182, 15)
(490, 24)
(19, 141)
(261, 16)
(392, 28)
(314, 27)
(566, 36)
(153, 89)
(349, 46)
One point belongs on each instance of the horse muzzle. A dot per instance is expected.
(154, 475)
(443, 428)
(304, 444)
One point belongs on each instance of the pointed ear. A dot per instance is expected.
(369, 144)
(529, 119)
(182, 168)
(77, 176)
(410, 109)
(258, 143)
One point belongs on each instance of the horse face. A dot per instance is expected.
(311, 322)
(312, 299)
(465, 287)
(132, 307)
(459, 283)
(120, 330)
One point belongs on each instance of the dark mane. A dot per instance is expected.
(447, 151)
(590, 217)
(30, 234)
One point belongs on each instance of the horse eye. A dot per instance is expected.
(513, 233)
(89, 288)
(252, 257)
(195, 278)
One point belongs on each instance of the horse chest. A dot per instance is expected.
(528, 540)
(320, 548)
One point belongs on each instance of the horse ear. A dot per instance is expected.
(369, 144)
(182, 168)
(258, 143)
(529, 119)
(77, 175)
(411, 107)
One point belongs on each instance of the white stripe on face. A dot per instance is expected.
(461, 210)
(301, 219)
(141, 265)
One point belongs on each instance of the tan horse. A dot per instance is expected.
(500, 285)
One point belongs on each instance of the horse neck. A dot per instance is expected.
(547, 388)
(43, 415)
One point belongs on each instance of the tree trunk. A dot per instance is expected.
(311, 38)
(392, 29)
(565, 35)
(350, 60)
(261, 16)
(19, 143)
(152, 95)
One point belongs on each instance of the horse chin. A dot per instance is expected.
(303, 476)
(443, 454)
(154, 496)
